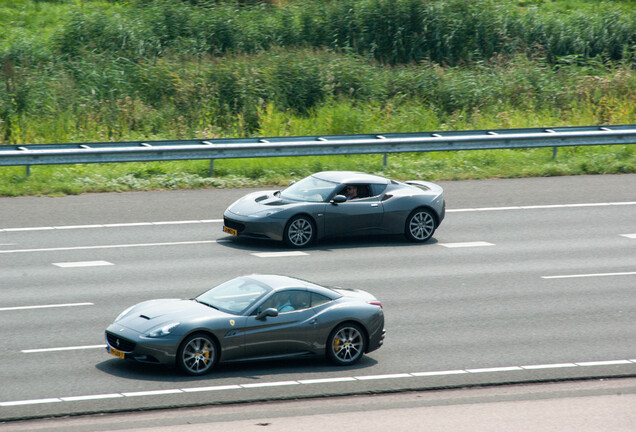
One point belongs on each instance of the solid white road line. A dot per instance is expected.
(31, 402)
(117, 225)
(382, 377)
(326, 380)
(439, 373)
(74, 248)
(588, 275)
(497, 369)
(212, 388)
(152, 393)
(539, 207)
(91, 397)
(631, 236)
(83, 264)
(45, 306)
(549, 366)
(206, 221)
(321, 381)
(270, 384)
(39, 350)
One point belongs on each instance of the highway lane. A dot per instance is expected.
(503, 302)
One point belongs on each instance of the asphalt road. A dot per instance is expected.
(526, 280)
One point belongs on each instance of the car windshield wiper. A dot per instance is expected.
(207, 304)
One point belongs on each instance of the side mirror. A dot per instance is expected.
(269, 312)
(339, 199)
(292, 182)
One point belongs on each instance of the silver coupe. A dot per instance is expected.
(335, 204)
(250, 318)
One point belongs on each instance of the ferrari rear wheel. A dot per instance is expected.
(420, 225)
(346, 344)
(299, 232)
(197, 354)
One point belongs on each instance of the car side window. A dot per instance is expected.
(377, 189)
(356, 191)
(287, 301)
(318, 299)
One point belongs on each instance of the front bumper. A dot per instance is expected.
(138, 348)
(259, 228)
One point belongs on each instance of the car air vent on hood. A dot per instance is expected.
(144, 317)
(261, 198)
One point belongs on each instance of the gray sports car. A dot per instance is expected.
(249, 318)
(338, 203)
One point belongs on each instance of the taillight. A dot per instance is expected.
(376, 303)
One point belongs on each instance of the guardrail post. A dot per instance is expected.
(554, 152)
(384, 160)
(211, 169)
(28, 170)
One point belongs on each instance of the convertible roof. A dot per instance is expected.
(279, 281)
(350, 177)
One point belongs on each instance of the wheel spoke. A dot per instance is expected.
(421, 225)
(347, 344)
(198, 355)
(300, 232)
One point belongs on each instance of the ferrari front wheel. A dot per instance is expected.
(299, 232)
(346, 344)
(420, 225)
(197, 354)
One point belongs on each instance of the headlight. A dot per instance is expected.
(266, 213)
(164, 330)
(124, 313)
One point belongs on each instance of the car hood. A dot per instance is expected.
(151, 314)
(257, 202)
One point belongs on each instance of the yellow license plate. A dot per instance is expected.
(117, 353)
(231, 231)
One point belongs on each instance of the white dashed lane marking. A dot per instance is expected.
(73, 348)
(83, 264)
(630, 236)
(13, 308)
(278, 254)
(247, 386)
(589, 275)
(466, 244)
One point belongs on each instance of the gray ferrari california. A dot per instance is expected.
(338, 203)
(250, 318)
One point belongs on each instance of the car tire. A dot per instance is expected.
(197, 355)
(420, 225)
(346, 344)
(299, 232)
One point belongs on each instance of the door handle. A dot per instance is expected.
(374, 205)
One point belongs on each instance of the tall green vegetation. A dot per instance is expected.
(80, 70)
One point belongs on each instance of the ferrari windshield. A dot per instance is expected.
(235, 296)
(310, 189)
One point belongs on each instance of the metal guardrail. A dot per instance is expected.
(140, 151)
